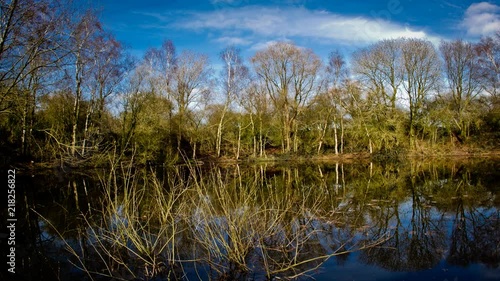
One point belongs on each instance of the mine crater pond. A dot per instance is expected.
(407, 220)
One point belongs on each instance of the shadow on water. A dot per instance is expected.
(391, 221)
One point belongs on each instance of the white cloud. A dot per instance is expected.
(482, 19)
(265, 44)
(232, 40)
(299, 22)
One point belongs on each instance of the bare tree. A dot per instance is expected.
(289, 74)
(337, 75)
(328, 106)
(256, 104)
(190, 86)
(361, 112)
(132, 103)
(462, 77)
(81, 38)
(234, 76)
(380, 67)
(15, 55)
(107, 67)
(31, 38)
(488, 50)
(421, 74)
(161, 64)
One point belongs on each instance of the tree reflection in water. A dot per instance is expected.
(267, 221)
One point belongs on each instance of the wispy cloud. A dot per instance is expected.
(265, 44)
(451, 5)
(292, 22)
(233, 40)
(482, 19)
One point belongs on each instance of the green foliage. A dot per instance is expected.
(83, 101)
(154, 129)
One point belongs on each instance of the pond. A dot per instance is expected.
(407, 220)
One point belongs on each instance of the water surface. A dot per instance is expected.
(413, 220)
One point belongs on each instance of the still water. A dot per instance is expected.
(410, 220)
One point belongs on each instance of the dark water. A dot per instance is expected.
(434, 220)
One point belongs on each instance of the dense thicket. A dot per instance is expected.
(69, 91)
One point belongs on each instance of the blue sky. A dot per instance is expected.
(209, 26)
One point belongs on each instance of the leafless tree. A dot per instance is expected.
(82, 36)
(31, 39)
(462, 76)
(421, 75)
(338, 75)
(256, 104)
(380, 67)
(190, 87)
(234, 77)
(107, 67)
(488, 50)
(289, 74)
(161, 63)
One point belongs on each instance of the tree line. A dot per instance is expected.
(70, 91)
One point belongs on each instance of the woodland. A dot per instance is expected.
(71, 93)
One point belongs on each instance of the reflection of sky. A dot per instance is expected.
(57, 249)
(353, 268)
(45, 236)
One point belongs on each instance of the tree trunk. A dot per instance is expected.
(76, 105)
(239, 143)
(295, 142)
(219, 132)
(24, 123)
(254, 138)
(286, 131)
(261, 142)
(322, 136)
(28, 113)
(336, 177)
(86, 129)
(342, 135)
(335, 135)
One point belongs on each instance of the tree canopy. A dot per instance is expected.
(69, 91)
